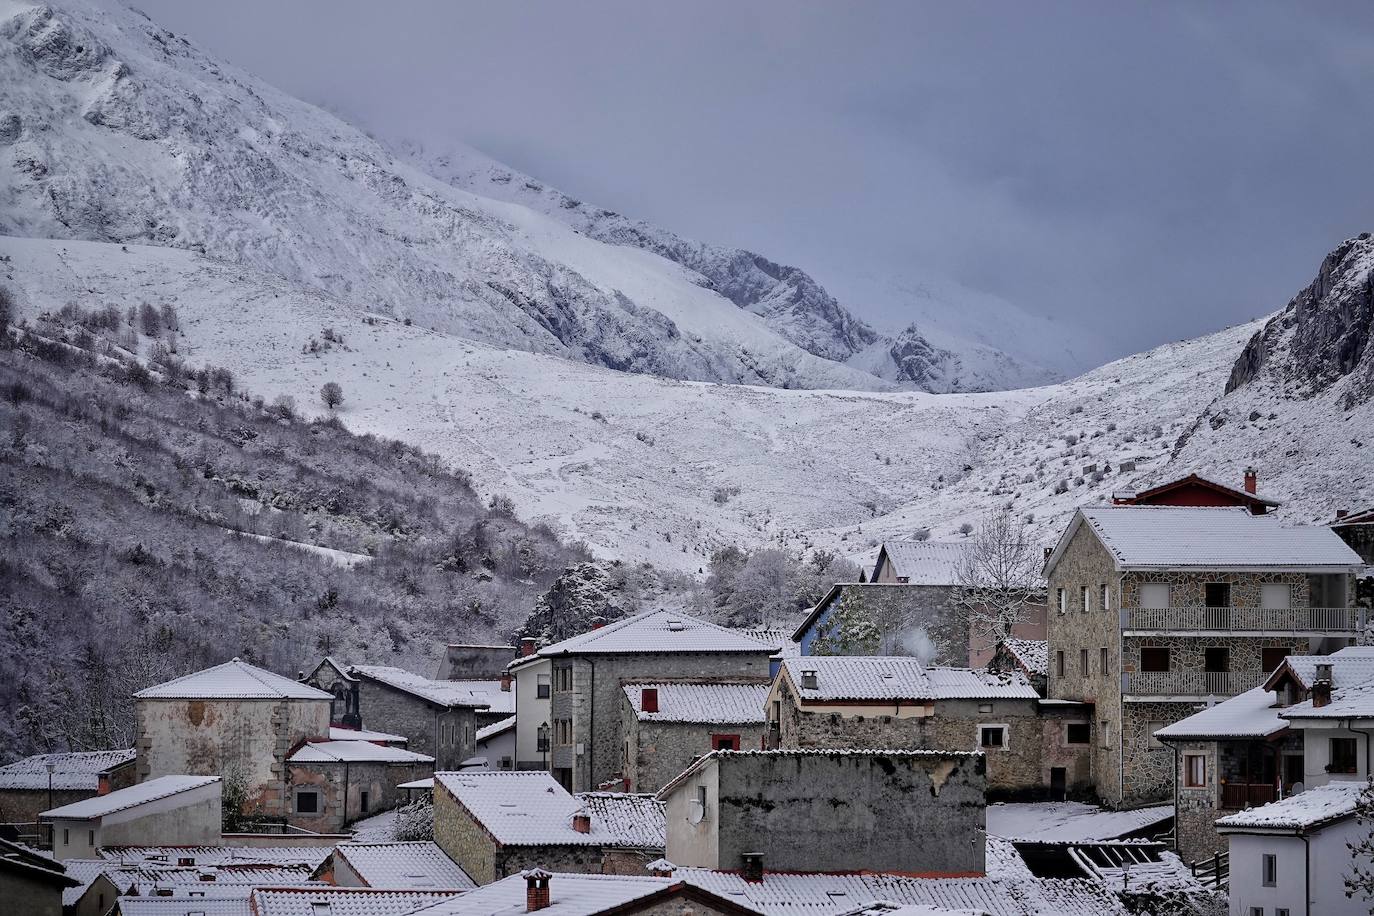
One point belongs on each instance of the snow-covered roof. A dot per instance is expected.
(222, 879)
(659, 632)
(236, 680)
(892, 908)
(1354, 702)
(1350, 666)
(636, 820)
(427, 783)
(338, 733)
(491, 731)
(440, 693)
(490, 693)
(74, 771)
(404, 866)
(1311, 808)
(1177, 537)
(120, 799)
(701, 762)
(522, 808)
(306, 856)
(84, 871)
(779, 639)
(1033, 654)
(926, 562)
(1251, 714)
(1239, 495)
(1070, 821)
(355, 752)
(572, 895)
(821, 894)
(236, 904)
(882, 678)
(342, 901)
(733, 704)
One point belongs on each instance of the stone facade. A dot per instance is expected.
(831, 811)
(588, 749)
(897, 610)
(655, 752)
(342, 787)
(245, 739)
(1016, 770)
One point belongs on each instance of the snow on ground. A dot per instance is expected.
(652, 469)
(338, 557)
(1069, 821)
(379, 828)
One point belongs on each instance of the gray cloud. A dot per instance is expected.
(1148, 171)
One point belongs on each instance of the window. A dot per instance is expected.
(1282, 911)
(66, 837)
(992, 737)
(1154, 595)
(1105, 597)
(1059, 663)
(363, 800)
(1216, 659)
(1195, 771)
(1344, 757)
(725, 742)
(1078, 733)
(984, 708)
(1083, 598)
(1083, 670)
(307, 801)
(563, 679)
(1217, 594)
(90, 837)
(1275, 595)
(1105, 660)
(1269, 869)
(541, 686)
(1105, 731)
(1060, 600)
(1154, 658)
(562, 732)
(1270, 659)
(701, 799)
(1256, 911)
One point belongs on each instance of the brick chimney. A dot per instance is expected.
(1321, 686)
(751, 867)
(582, 822)
(809, 680)
(598, 622)
(648, 699)
(526, 646)
(536, 889)
(1251, 480)
(102, 785)
(505, 682)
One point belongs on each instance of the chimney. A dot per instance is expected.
(582, 822)
(505, 682)
(526, 646)
(751, 867)
(1048, 551)
(1341, 513)
(648, 699)
(1321, 686)
(598, 622)
(102, 786)
(809, 680)
(660, 868)
(1251, 480)
(536, 889)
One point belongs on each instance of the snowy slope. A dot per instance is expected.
(654, 469)
(112, 129)
(967, 341)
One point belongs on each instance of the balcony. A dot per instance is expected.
(1193, 684)
(1237, 795)
(1241, 620)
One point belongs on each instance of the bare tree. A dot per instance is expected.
(332, 394)
(997, 577)
(1359, 881)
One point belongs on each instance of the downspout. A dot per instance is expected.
(1307, 873)
(1121, 701)
(1174, 748)
(591, 731)
(1365, 732)
(345, 805)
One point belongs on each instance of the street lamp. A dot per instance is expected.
(51, 768)
(542, 742)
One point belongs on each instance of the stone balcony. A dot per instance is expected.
(1241, 621)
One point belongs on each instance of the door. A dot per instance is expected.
(1058, 783)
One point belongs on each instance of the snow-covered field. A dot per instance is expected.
(645, 468)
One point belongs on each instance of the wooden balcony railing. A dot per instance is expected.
(1237, 795)
(1243, 619)
(1189, 683)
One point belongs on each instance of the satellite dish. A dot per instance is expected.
(696, 812)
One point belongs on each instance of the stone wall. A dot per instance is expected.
(22, 806)
(30, 896)
(463, 839)
(341, 790)
(447, 735)
(595, 703)
(1188, 588)
(580, 860)
(655, 752)
(1075, 759)
(898, 610)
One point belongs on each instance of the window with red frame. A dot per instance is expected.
(725, 742)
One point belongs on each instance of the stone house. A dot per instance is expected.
(496, 824)
(399, 865)
(594, 895)
(235, 720)
(855, 702)
(171, 810)
(1197, 491)
(830, 811)
(30, 882)
(533, 677)
(588, 671)
(438, 718)
(1029, 656)
(24, 784)
(1156, 609)
(496, 744)
(333, 783)
(667, 725)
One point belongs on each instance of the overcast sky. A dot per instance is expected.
(1151, 171)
